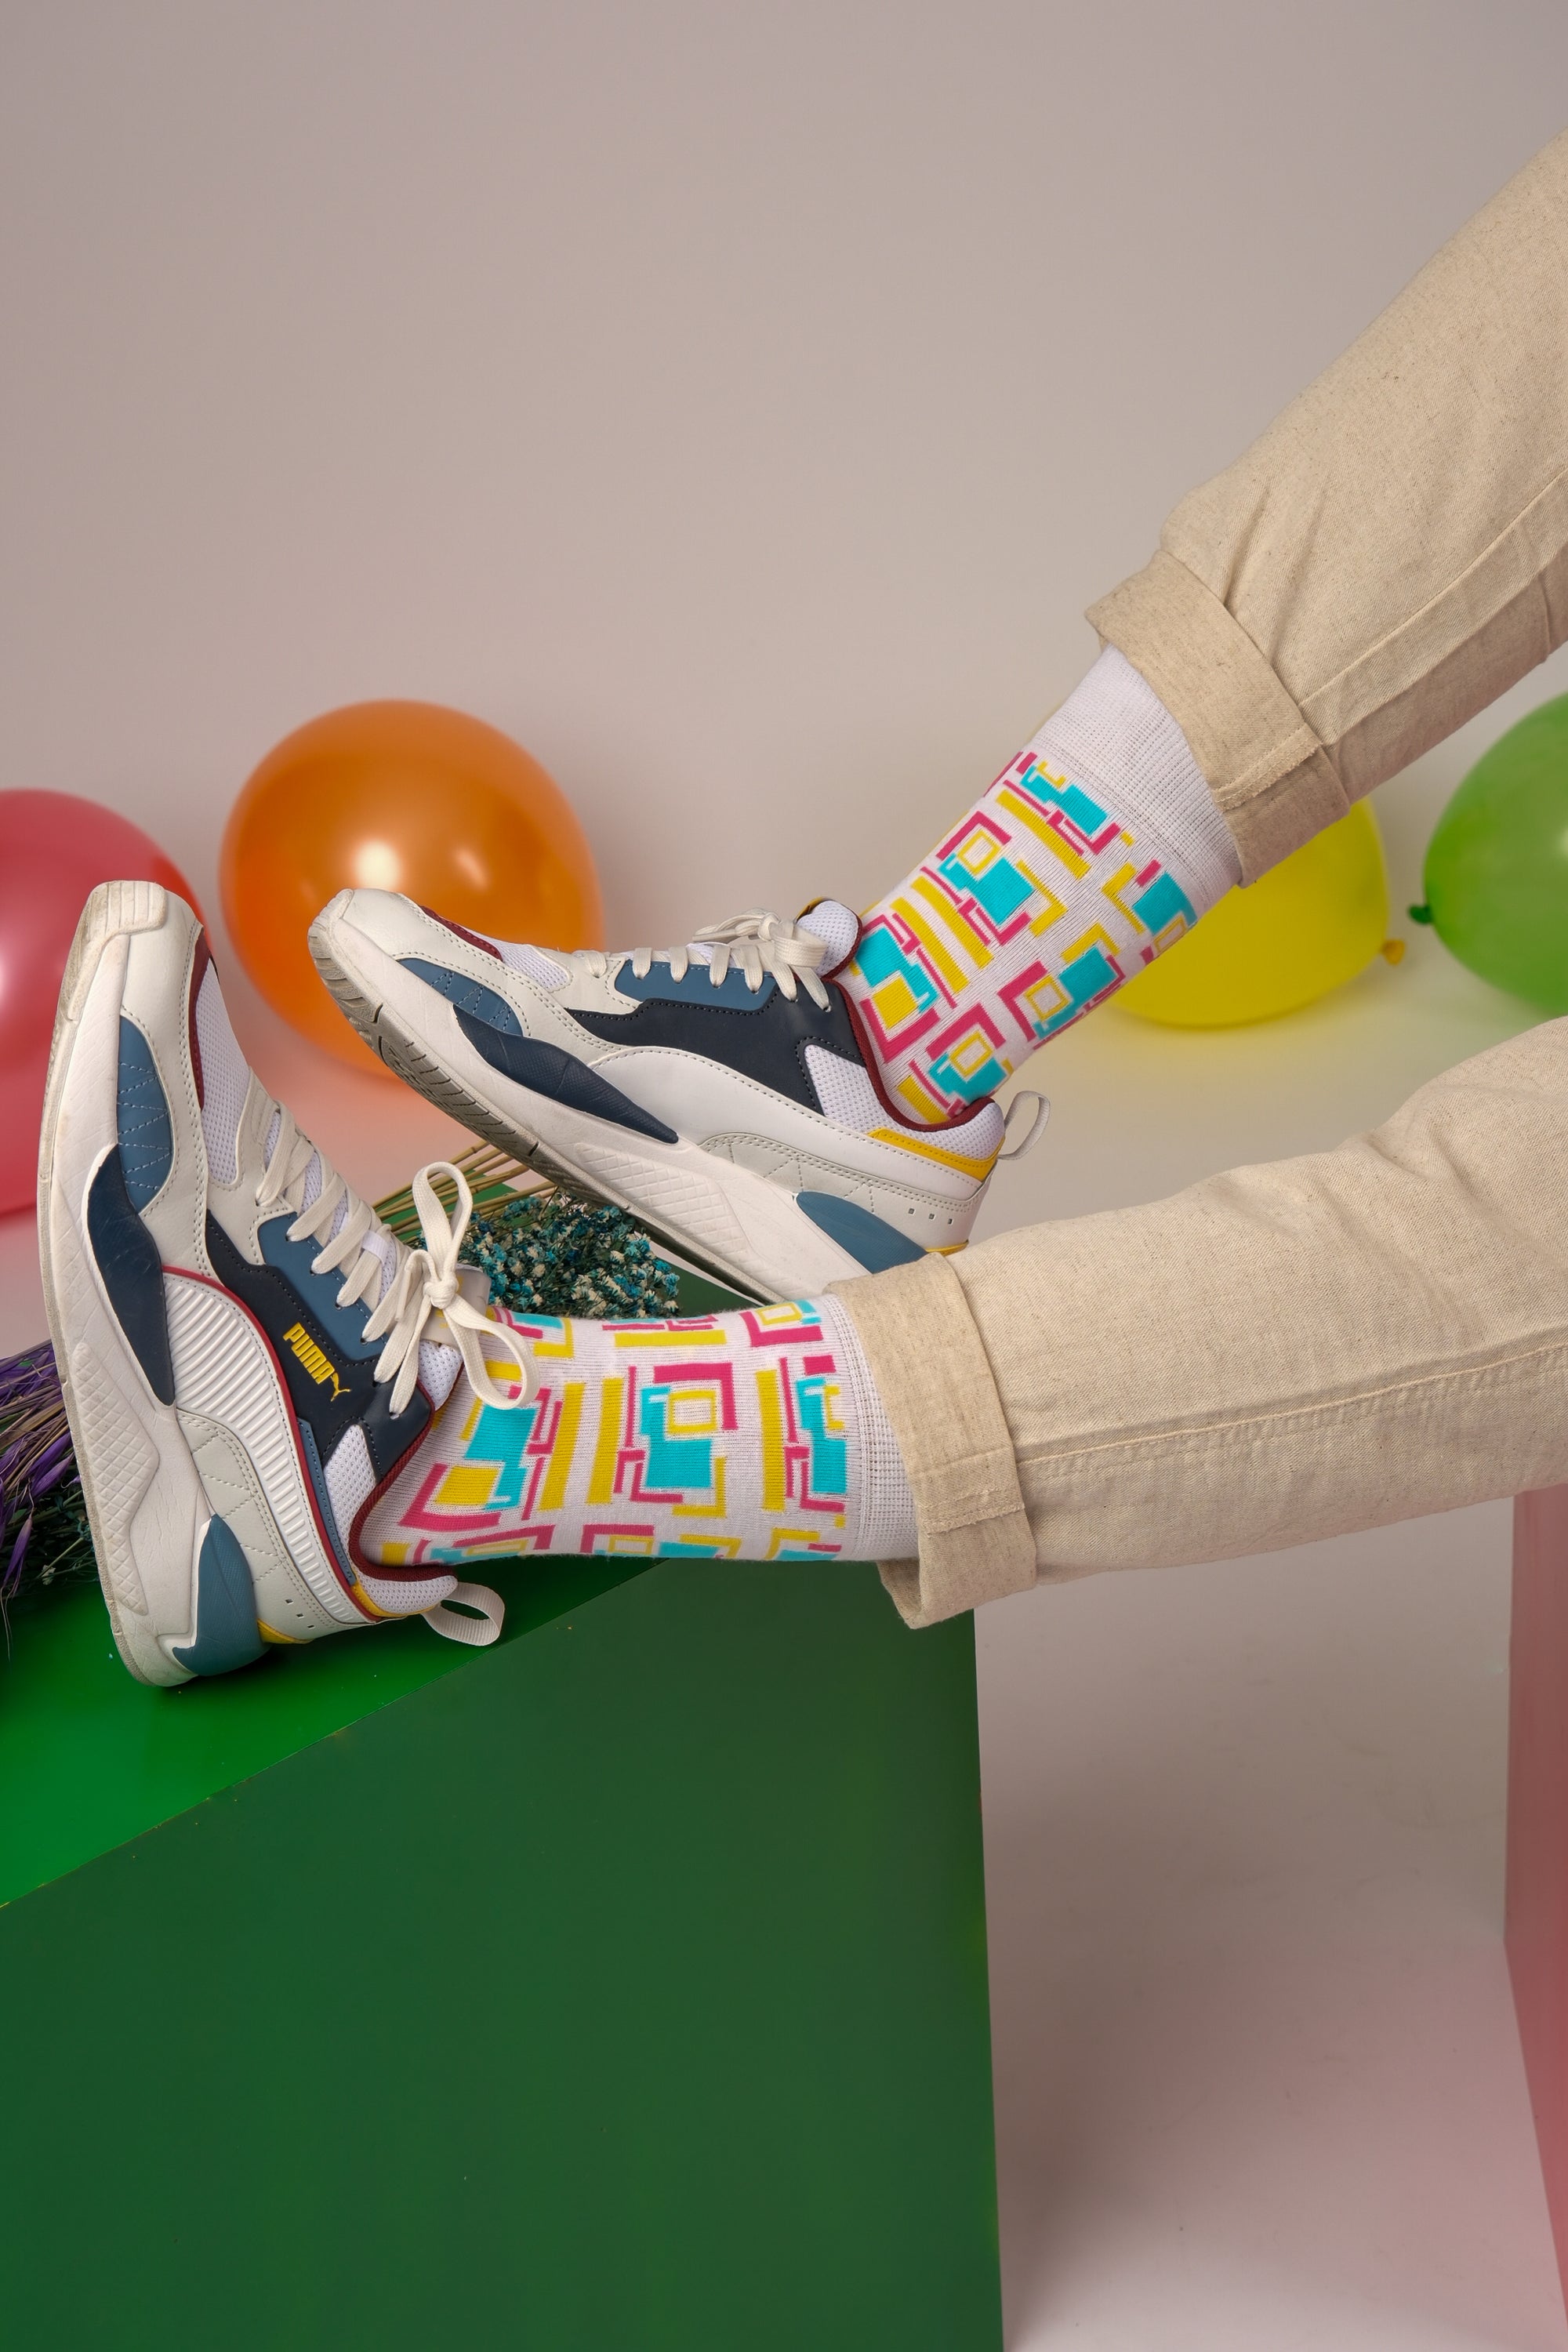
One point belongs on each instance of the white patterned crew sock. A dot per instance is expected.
(1097, 847)
(756, 1435)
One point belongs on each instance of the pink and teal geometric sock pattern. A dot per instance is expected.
(1036, 907)
(704, 1436)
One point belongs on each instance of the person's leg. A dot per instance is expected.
(288, 1424)
(1390, 554)
(1276, 1354)
(1096, 848)
(1386, 559)
(1389, 557)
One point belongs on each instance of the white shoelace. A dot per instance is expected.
(427, 1282)
(427, 1285)
(758, 944)
(424, 1291)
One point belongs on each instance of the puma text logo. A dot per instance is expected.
(311, 1355)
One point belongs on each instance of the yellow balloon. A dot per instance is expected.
(1311, 922)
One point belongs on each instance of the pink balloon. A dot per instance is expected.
(54, 851)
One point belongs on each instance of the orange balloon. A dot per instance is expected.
(397, 796)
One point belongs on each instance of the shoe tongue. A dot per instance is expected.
(835, 925)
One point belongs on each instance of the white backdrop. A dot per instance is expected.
(739, 405)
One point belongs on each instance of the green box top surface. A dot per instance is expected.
(89, 1758)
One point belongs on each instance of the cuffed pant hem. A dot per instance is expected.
(936, 1383)
(1272, 780)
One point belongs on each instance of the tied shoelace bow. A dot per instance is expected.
(427, 1283)
(758, 945)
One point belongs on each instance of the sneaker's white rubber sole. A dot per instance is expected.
(146, 1506)
(731, 1223)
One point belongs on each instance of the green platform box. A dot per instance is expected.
(618, 1989)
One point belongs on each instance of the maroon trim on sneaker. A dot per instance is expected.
(415, 1575)
(462, 931)
(200, 964)
(874, 1072)
(418, 1572)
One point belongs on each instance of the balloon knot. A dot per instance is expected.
(1393, 952)
(1419, 914)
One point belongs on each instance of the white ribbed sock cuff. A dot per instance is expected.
(881, 1523)
(1115, 735)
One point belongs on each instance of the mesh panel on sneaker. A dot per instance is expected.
(844, 1090)
(439, 1367)
(835, 925)
(847, 1095)
(540, 969)
(350, 1478)
(985, 1131)
(226, 1080)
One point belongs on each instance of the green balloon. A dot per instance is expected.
(1496, 868)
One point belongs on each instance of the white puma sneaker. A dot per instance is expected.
(718, 1092)
(247, 1355)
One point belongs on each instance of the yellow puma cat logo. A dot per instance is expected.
(311, 1355)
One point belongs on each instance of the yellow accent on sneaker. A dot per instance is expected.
(965, 1163)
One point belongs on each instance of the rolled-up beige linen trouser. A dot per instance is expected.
(1291, 1350)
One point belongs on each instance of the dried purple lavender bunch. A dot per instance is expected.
(43, 1519)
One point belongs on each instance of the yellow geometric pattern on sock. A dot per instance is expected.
(552, 1494)
(602, 1476)
(776, 1489)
